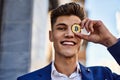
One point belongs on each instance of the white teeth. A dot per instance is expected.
(68, 43)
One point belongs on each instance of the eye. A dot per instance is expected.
(61, 28)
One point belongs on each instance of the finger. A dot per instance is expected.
(95, 25)
(83, 23)
(83, 36)
(91, 26)
(86, 25)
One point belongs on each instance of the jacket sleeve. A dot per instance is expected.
(115, 51)
(113, 76)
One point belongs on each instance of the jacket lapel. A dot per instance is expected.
(45, 73)
(86, 73)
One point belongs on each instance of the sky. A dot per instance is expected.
(104, 10)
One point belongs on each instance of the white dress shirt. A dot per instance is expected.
(55, 75)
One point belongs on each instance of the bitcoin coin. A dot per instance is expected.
(76, 28)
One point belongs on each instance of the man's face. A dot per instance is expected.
(65, 42)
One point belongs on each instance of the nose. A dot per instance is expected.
(69, 33)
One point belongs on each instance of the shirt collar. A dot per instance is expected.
(55, 72)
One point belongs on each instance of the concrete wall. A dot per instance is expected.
(15, 38)
(39, 34)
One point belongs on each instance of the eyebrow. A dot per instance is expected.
(61, 24)
(66, 24)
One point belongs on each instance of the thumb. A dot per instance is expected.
(83, 36)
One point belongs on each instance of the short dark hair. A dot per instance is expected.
(67, 10)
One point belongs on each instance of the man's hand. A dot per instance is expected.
(98, 32)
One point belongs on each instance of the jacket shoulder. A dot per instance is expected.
(106, 72)
(100, 69)
(35, 75)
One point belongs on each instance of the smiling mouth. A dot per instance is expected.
(69, 43)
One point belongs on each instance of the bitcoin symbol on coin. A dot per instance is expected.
(76, 28)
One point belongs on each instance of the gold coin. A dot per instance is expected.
(76, 28)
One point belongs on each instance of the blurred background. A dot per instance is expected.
(24, 40)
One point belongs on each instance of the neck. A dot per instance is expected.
(66, 66)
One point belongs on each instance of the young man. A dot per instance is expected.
(67, 45)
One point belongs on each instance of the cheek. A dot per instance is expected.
(58, 36)
(55, 38)
(78, 39)
(79, 42)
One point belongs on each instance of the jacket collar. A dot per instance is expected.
(45, 73)
(86, 73)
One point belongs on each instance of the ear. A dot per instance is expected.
(51, 36)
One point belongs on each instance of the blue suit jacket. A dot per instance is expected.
(88, 73)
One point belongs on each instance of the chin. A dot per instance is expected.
(69, 54)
